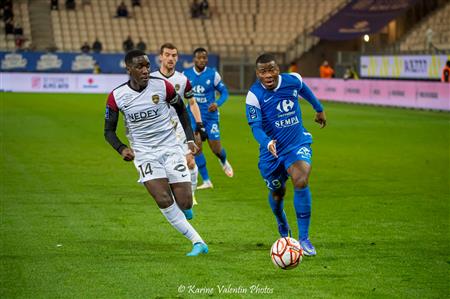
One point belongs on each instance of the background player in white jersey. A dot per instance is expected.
(158, 157)
(168, 55)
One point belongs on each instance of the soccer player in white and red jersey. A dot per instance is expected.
(159, 158)
(168, 55)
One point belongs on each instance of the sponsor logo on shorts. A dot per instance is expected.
(180, 168)
(214, 129)
(304, 152)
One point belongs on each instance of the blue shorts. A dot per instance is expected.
(211, 126)
(274, 172)
(212, 129)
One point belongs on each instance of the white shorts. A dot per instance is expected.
(181, 136)
(163, 162)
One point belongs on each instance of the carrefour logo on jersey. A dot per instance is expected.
(142, 115)
(285, 105)
(198, 89)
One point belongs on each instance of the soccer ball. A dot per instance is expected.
(286, 253)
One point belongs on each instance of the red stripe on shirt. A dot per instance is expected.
(111, 103)
(170, 91)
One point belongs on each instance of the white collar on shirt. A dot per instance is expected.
(195, 71)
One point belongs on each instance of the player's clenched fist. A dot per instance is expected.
(127, 154)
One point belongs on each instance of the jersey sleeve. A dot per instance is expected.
(111, 119)
(254, 118)
(306, 93)
(217, 78)
(253, 108)
(171, 94)
(188, 92)
(300, 79)
(221, 88)
(111, 102)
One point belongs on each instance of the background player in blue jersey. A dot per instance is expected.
(273, 113)
(205, 82)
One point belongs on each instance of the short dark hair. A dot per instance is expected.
(198, 50)
(448, 63)
(265, 58)
(169, 46)
(131, 54)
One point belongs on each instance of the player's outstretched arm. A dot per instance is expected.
(307, 94)
(111, 119)
(222, 89)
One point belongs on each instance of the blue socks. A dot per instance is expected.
(201, 164)
(222, 156)
(302, 204)
(278, 210)
(188, 213)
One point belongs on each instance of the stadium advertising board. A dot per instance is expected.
(412, 94)
(51, 82)
(421, 95)
(403, 66)
(82, 63)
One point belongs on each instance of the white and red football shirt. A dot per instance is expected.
(146, 114)
(181, 84)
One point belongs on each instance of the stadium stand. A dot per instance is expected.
(439, 23)
(21, 16)
(157, 21)
(234, 28)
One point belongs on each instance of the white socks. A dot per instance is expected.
(194, 175)
(176, 217)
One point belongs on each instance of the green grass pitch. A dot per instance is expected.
(75, 224)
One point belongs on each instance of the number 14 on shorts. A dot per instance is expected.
(145, 169)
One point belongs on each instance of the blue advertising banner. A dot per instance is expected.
(82, 63)
(361, 17)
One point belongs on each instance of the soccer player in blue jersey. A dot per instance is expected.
(205, 82)
(273, 113)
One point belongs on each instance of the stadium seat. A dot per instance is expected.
(439, 23)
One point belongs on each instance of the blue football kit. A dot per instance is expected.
(276, 115)
(204, 85)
